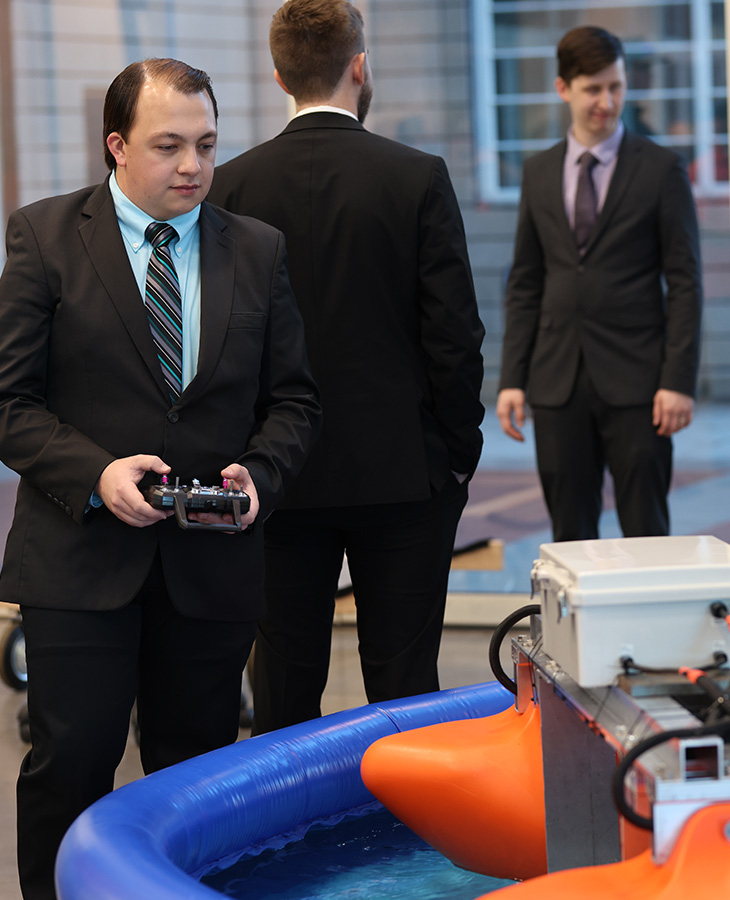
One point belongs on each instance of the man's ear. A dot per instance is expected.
(117, 147)
(563, 89)
(281, 84)
(357, 67)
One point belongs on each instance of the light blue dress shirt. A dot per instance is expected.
(606, 153)
(132, 223)
(186, 253)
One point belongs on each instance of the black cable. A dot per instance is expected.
(617, 782)
(499, 635)
(718, 661)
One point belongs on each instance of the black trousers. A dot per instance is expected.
(576, 442)
(85, 670)
(399, 557)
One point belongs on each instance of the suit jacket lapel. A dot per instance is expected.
(217, 279)
(553, 180)
(105, 246)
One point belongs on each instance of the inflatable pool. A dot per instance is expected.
(158, 836)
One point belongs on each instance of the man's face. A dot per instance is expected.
(166, 164)
(596, 102)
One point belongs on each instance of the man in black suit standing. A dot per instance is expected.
(142, 332)
(379, 266)
(607, 354)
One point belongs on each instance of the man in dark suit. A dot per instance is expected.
(379, 266)
(119, 603)
(608, 355)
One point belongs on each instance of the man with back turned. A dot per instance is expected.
(380, 270)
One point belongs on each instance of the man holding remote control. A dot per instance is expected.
(143, 333)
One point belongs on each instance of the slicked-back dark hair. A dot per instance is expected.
(312, 43)
(587, 50)
(120, 103)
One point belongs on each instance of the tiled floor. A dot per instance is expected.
(505, 503)
(506, 500)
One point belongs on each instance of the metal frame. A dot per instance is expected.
(583, 731)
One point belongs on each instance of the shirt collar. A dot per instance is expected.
(329, 109)
(605, 152)
(133, 221)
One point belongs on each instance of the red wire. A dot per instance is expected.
(691, 674)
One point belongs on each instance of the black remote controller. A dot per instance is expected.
(196, 498)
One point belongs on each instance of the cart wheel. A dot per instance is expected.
(13, 669)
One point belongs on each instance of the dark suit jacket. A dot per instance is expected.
(610, 306)
(80, 385)
(379, 266)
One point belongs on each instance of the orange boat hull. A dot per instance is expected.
(472, 789)
(699, 866)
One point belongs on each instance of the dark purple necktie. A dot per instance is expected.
(586, 204)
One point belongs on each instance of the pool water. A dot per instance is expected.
(371, 857)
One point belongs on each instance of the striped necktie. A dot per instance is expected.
(164, 305)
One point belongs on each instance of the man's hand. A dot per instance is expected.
(242, 481)
(511, 412)
(117, 487)
(672, 411)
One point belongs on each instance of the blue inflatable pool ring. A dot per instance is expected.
(156, 837)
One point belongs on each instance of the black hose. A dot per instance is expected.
(718, 661)
(499, 635)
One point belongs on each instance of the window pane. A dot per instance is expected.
(660, 70)
(718, 20)
(717, 157)
(525, 76)
(719, 72)
(660, 117)
(719, 105)
(546, 27)
(688, 152)
(721, 162)
(529, 121)
(510, 167)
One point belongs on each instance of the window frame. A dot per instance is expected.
(487, 102)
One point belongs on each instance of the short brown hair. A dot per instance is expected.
(312, 43)
(587, 50)
(120, 103)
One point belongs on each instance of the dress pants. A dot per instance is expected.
(576, 442)
(85, 670)
(399, 557)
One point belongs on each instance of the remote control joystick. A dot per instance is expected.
(196, 498)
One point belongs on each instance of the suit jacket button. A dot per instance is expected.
(580, 268)
(173, 417)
